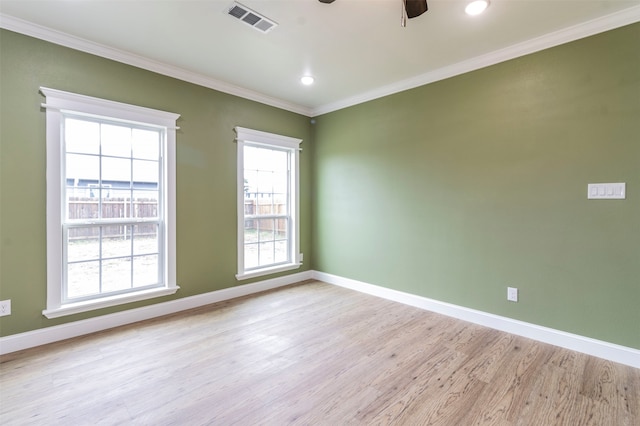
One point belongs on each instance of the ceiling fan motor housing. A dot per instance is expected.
(414, 8)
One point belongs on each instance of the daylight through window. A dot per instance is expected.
(110, 201)
(267, 203)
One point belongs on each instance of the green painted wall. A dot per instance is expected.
(206, 169)
(458, 189)
(453, 191)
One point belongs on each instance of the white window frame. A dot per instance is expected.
(58, 104)
(269, 140)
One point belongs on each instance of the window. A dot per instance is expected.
(110, 203)
(268, 229)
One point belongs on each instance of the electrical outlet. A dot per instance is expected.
(512, 294)
(301, 257)
(5, 307)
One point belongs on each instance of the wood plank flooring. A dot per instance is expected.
(312, 354)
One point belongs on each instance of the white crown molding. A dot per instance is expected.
(42, 336)
(566, 35)
(574, 342)
(57, 37)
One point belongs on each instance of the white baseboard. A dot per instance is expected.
(587, 345)
(56, 333)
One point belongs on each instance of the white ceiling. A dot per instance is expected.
(356, 49)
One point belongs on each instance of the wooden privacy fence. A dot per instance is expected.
(265, 207)
(112, 208)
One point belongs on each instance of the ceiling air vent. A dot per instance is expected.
(251, 18)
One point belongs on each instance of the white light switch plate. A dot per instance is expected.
(607, 191)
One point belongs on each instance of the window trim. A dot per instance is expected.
(57, 104)
(268, 140)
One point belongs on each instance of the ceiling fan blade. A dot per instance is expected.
(326, 1)
(414, 8)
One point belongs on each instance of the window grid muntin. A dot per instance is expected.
(257, 243)
(101, 185)
(101, 222)
(258, 217)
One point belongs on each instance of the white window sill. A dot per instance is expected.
(266, 271)
(105, 302)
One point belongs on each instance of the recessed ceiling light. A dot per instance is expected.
(307, 80)
(476, 7)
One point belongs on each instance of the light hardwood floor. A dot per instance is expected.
(312, 354)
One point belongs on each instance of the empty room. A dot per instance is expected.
(274, 212)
